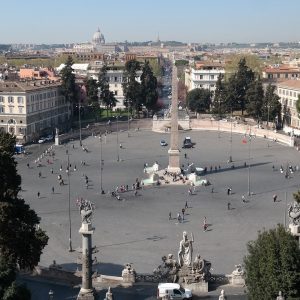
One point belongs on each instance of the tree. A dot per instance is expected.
(219, 106)
(9, 289)
(149, 93)
(273, 264)
(68, 82)
(298, 105)
(131, 87)
(271, 109)
(104, 88)
(92, 96)
(243, 78)
(199, 100)
(21, 239)
(255, 99)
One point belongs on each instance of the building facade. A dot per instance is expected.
(29, 109)
(289, 91)
(204, 75)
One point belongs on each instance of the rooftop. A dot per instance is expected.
(290, 84)
(24, 86)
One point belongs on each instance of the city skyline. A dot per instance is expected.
(193, 21)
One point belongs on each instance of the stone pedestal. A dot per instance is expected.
(197, 287)
(295, 229)
(237, 280)
(86, 292)
(173, 166)
(128, 274)
(56, 138)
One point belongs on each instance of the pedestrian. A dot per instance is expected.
(170, 216)
(40, 174)
(28, 165)
(75, 169)
(190, 191)
(38, 194)
(228, 205)
(121, 146)
(179, 218)
(53, 190)
(274, 198)
(204, 224)
(67, 151)
(273, 167)
(135, 192)
(87, 185)
(51, 170)
(185, 155)
(183, 211)
(186, 205)
(60, 169)
(243, 199)
(212, 190)
(73, 146)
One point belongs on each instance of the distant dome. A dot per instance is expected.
(98, 37)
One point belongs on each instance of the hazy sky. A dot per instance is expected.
(66, 21)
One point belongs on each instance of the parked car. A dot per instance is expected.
(42, 140)
(49, 137)
(187, 143)
(163, 143)
(173, 291)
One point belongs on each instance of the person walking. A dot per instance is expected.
(28, 165)
(40, 174)
(204, 224)
(274, 198)
(228, 205)
(170, 216)
(243, 199)
(38, 194)
(51, 170)
(53, 190)
(186, 205)
(179, 218)
(183, 211)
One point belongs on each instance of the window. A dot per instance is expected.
(116, 78)
(2, 109)
(116, 93)
(10, 99)
(20, 100)
(1, 99)
(11, 110)
(20, 110)
(279, 91)
(286, 75)
(212, 77)
(201, 76)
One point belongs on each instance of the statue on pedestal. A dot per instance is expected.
(222, 295)
(185, 253)
(294, 213)
(201, 268)
(86, 211)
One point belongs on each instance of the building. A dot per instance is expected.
(276, 73)
(30, 109)
(289, 91)
(203, 75)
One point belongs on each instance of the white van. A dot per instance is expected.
(173, 290)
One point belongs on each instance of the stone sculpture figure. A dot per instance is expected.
(294, 213)
(201, 268)
(280, 297)
(185, 253)
(222, 295)
(86, 211)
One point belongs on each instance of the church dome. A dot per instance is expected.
(98, 37)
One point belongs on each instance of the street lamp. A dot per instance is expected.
(51, 295)
(79, 121)
(69, 198)
(118, 156)
(101, 165)
(128, 128)
(230, 155)
(249, 165)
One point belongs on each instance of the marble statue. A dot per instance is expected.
(201, 268)
(280, 297)
(185, 253)
(86, 209)
(294, 213)
(222, 295)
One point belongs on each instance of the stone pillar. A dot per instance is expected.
(56, 137)
(174, 163)
(86, 291)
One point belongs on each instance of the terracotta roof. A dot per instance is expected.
(290, 84)
(23, 86)
(282, 69)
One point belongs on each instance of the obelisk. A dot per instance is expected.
(174, 164)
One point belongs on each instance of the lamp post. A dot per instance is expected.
(101, 165)
(69, 198)
(51, 295)
(128, 125)
(249, 165)
(230, 154)
(79, 121)
(118, 156)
